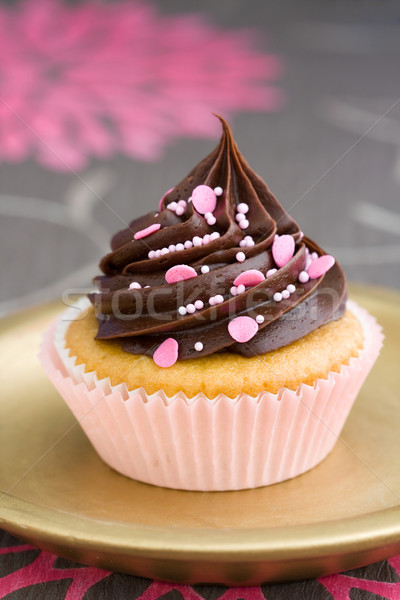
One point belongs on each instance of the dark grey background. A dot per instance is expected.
(331, 156)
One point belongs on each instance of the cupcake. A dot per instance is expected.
(219, 350)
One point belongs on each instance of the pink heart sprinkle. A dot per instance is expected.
(204, 199)
(242, 329)
(145, 232)
(166, 354)
(160, 204)
(179, 273)
(249, 278)
(283, 249)
(320, 266)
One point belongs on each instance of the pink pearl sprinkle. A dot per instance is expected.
(241, 288)
(188, 244)
(283, 249)
(182, 203)
(151, 254)
(277, 296)
(166, 354)
(211, 301)
(215, 235)
(244, 224)
(249, 278)
(211, 220)
(240, 217)
(304, 277)
(172, 248)
(199, 304)
(285, 294)
(218, 299)
(207, 238)
(320, 266)
(240, 256)
(198, 346)
(179, 247)
(191, 308)
(271, 272)
(242, 329)
(147, 231)
(179, 211)
(197, 241)
(291, 288)
(179, 273)
(233, 290)
(204, 199)
(135, 285)
(158, 253)
(164, 251)
(172, 206)
(160, 204)
(242, 208)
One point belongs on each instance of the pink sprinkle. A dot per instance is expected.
(164, 251)
(145, 232)
(166, 354)
(172, 206)
(283, 249)
(240, 256)
(285, 294)
(271, 272)
(179, 211)
(233, 290)
(191, 308)
(218, 299)
(240, 289)
(240, 217)
(291, 288)
(215, 235)
(179, 247)
(152, 254)
(172, 248)
(304, 277)
(162, 199)
(211, 301)
(244, 224)
(242, 329)
(242, 208)
(207, 238)
(249, 278)
(199, 304)
(204, 199)
(179, 273)
(211, 220)
(182, 203)
(277, 296)
(301, 235)
(320, 266)
(188, 244)
(197, 241)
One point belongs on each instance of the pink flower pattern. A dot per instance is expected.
(92, 79)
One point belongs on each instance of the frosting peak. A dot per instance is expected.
(221, 265)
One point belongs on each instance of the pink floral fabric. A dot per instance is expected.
(93, 79)
(26, 572)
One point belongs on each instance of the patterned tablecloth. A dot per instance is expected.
(105, 105)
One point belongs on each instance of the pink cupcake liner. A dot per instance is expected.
(210, 444)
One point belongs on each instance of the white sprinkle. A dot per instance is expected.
(198, 346)
(190, 199)
(218, 299)
(188, 244)
(205, 269)
(304, 277)
(218, 191)
(207, 215)
(285, 294)
(241, 288)
(135, 286)
(172, 248)
(260, 319)
(301, 235)
(244, 224)
(158, 253)
(156, 214)
(211, 220)
(179, 211)
(179, 247)
(291, 288)
(276, 236)
(191, 308)
(207, 238)
(240, 256)
(243, 243)
(182, 203)
(242, 208)
(277, 296)
(211, 300)
(240, 217)
(250, 243)
(146, 286)
(182, 310)
(172, 206)
(271, 272)
(215, 235)
(151, 254)
(164, 251)
(233, 290)
(199, 304)
(197, 241)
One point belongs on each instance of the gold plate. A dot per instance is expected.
(61, 497)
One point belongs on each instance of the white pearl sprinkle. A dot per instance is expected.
(215, 235)
(211, 300)
(240, 217)
(190, 308)
(218, 299)
(189, 199)
(135, 286)
(182, 203)
(172, 206)
(218, 191)
(242, 208)
(205, 269)
(172, 248)
(164, 251)
(197, 241)
(182, 310)
(207, 215)
(151, 254)
(241, 288)
(188, 244)
(243, 243)
(277, 296)
(179, 247)
(314, 256)
(158, 253)
(271, 272)
(146, 286)
(199, 304)
(301, 235)
(207, 238)
(260, 319)
(250, 243)
(244, 224)
(304, 277)
(179, 211)
(291, 288)
(240, 256)
(233, 290)
(285, 294)
(211, 220)
(198, 346)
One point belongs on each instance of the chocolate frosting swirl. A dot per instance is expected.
(143, 318)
